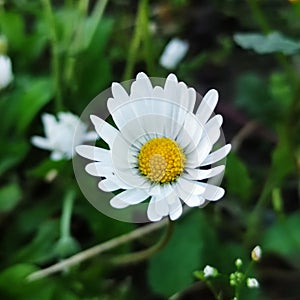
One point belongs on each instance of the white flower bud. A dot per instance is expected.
(252, 283)
(210, 271)
(256, 253)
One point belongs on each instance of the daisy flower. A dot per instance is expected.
(159, 149)
(60, 135)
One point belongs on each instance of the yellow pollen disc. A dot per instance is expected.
(161, 160)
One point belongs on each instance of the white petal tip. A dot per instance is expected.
(172, 77)
(141, 75)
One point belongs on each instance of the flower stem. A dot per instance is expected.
(55, 54)
(145, 254)
(141, 33)
(67, 214)
(218, 296)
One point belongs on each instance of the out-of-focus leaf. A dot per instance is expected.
(283, 237)
(282, 159)
(171, 270)
(46, 166)
(22, 105)
(10, 195)
(262, 44)
(12, 280)
(40, 249)
(12, 26)
(253, 96)
(35, 96)
(13, 285)
(281, 91)
(11, 153)
(238, 179)
(91, 71)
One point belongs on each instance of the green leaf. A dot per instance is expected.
(41, 248)
(47, 166)
(283, 237)
(238, 178)
(282, 159)
(38, 93)
(253, 96)
(10, 195)
(171, 270)
(262, 44)
(22, 105)
(11, 153)
(12, 26)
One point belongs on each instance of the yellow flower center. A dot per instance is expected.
(161, 160)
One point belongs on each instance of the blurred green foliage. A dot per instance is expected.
(64, 53)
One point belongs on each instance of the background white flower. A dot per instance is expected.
(6, 75)
(160, 150)
(210, 271)
(173, 53)
(60, 135)
(252, 283)
(256, 253)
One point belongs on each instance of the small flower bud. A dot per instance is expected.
(238, 263)
(210, 272)
(252, 283)
(256, 253)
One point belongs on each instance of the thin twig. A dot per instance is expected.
(96, 250)
(245, 132)
(139, 256)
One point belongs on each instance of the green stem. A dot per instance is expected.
(147, 39)
(55, 54)
(67, 214)
(144, 254)
(141, 33)
(218, 296)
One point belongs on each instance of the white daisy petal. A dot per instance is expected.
(175, 209)
(119, 93)
(211, 135)
(49, 123)
(105, 131)
(131, 197)
(41, 142)
(212, 192)
(151, 211)
(158, 92)
(99, 169)
(93, 153)
(192, 99)
(194, 201)
(217, 155)
(142, 87)
(107, 185)
(198, 174)
(189, 198)
(207, 105)
(190, 134)
(56, 155)
(90, 136)
(191, 187)
(102, 169)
